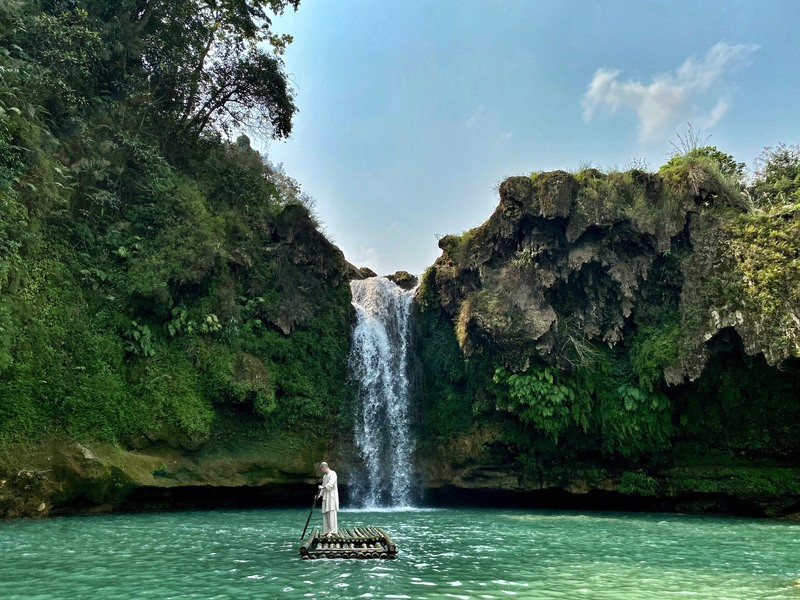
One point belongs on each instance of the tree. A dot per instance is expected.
(211, 66)
(727, 165)
(195, 65)
(777, 179)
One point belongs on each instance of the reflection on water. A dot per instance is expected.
(443, 554)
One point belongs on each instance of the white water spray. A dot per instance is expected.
(379, 362)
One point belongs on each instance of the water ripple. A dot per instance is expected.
(443, 554)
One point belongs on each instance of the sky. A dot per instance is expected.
(411, 113)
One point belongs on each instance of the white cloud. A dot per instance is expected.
(716, 113)
(668, 98)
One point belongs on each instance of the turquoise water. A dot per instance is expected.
(449, 553)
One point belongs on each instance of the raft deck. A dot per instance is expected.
(359, 542)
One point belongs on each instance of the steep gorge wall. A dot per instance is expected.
(190, 348)
(631, 334)
(623, 340)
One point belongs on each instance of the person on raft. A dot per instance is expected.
(329, 490)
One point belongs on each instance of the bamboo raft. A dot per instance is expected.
(360, 542)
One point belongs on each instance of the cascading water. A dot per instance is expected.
(379, 362)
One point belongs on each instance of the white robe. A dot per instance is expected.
(330, 492)
(330, 503)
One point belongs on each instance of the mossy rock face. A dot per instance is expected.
(580, 250)
(303, 259)
(549, 195)
(556, 192)
(550, 281)
(366, 272)
(449, 243)
(465, 467)
(608, 319)
(743, 274)
(404, 279)
(506, 317)
(518, 191)
(96, 477)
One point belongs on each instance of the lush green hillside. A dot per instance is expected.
(629, 330)
(159, 286)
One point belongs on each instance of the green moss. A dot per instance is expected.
(654, 348)
(744, 482)
(638, 483)
(453, 389)
(458, 246)
(744, 273)
(740, 403)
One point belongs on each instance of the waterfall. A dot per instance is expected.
(379, 362)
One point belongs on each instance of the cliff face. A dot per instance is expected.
(630, 333)
(566, 258)
(622, 340)
(171, 318)
(187, 345)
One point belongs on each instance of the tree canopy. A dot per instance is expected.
(181, 68)
(777, 179)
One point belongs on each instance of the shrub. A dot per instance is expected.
(638, 483)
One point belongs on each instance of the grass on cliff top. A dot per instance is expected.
(654, 203)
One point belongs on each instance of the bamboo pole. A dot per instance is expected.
(391, 546)
(309, 543)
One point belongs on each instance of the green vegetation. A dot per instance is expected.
(153, 275)
(712, 156)
(629, 322)
(598, 404)
(777, 181)
(638, 483)
(454, 388)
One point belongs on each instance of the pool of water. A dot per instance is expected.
(447, 553)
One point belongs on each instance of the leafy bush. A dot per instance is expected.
(638, 483)
(777, 178)
(727, 165)
(544, 397)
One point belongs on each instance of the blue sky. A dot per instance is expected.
(412, 112)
